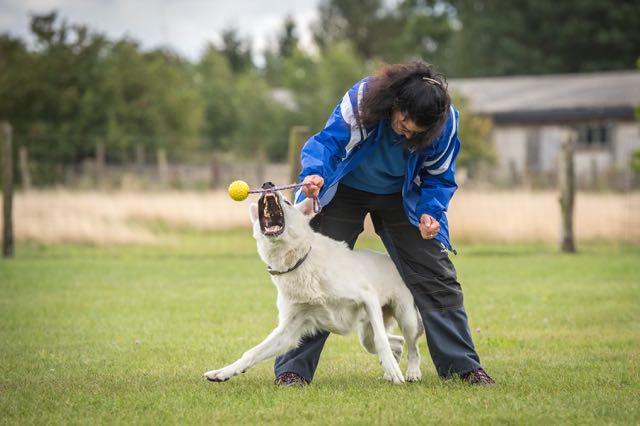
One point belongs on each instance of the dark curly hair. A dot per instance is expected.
(416, 90)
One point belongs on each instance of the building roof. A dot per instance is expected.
(558, 97)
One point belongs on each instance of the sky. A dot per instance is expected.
(184, 25)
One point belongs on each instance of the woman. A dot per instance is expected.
(389, 150)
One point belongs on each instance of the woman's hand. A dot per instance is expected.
(315, 185)
(429, 227)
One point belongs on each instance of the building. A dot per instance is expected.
(530, 113)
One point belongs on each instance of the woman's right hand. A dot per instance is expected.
(314, 186)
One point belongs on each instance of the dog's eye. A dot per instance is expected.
(286, 202)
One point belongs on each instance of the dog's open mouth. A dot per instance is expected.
(270, 214)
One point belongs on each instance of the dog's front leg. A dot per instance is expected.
(392, 370)
(282, 339)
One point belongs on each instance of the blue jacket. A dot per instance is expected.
(337, 149)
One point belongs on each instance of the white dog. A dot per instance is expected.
(324, 286)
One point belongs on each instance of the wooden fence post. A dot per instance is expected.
(100, 163)
(566, 180)
(23, 165)
(594, 172)
(140, 160)
(163, 166)
(298, 135)
(214, 168)
(7, 190)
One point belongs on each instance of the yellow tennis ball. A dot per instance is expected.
(239, 190)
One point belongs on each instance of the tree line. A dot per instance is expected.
(74, 88)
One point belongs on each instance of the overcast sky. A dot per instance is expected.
(184, 25)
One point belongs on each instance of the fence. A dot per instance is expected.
(140, 167)
(146, 168)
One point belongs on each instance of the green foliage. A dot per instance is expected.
(215, 82)
(484, 38)
(474, 132)
(288, 39)
(544, 36)
(16, 80)
(357, 22)
(635, 161)
(260, 119)
(316, 84)
(319, 85)
(77, 88)
(236, 50)
(411, 29)
(275, 56)
(153, 100)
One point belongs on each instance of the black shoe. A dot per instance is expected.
(478, 377)
(291, 379)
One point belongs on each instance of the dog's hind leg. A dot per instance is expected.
(383, 349)
(365, 333)
(396, 342)
(411, 325)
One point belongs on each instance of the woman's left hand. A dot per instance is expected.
(429, 227)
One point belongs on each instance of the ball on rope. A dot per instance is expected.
(239, 190)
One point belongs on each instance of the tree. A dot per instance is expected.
(261, 123)
(288, 38)
(236, 50)
(412, 29)
(16, 69)
(474, 132)
(426, 27)
(216, 83)
(318, 84)
(286, 46)
(338, 70)
(357, 22)
(635, 161)
(545, 36)
(76, 87)
(63, 77)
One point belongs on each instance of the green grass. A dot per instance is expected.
(122, 335)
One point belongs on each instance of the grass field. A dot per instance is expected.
(123, 334)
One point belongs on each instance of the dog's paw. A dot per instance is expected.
(394, 377)
(221, 375)
(414, 374)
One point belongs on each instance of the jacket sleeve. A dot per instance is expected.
(437, 175)
(323, 152)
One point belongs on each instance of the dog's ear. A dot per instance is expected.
(306, 207)
(253, 212)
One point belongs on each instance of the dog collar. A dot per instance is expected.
(294, 267)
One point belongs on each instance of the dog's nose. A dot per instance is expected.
(268, 185)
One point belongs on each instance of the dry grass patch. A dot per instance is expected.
(509, 216)
(123, 217)
(120, 217)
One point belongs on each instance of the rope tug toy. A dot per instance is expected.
(239, 190)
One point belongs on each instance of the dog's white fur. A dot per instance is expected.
(334, 289)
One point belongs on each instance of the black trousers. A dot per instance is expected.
(425, 268)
